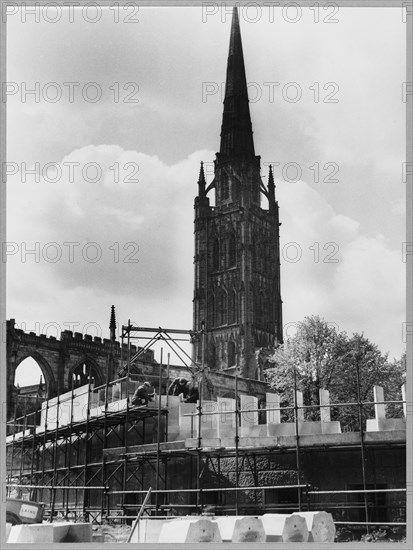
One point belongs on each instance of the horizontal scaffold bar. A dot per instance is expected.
(131, 328)
(53, 487)
(211, 489)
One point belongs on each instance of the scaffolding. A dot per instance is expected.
(98, 466)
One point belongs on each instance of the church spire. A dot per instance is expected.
(271, 190)
(112, 324)
(236, 130)
(201, 181)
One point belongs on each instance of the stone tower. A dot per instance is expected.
(237, 297)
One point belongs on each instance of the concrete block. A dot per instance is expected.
(173, 414)
(249, 416)
(249, 529)
(273, 400)
(189, 530)
(295, 529)
(385, 424)
(51, 532)
(116, 391)
(187, 423)
(38, 533)
(254, 431)
(148, 530)
(379, 408)
(203, 530)
(300, 403)
(284, 429)
(333, 427)
(304, 428)
(77, 532)
(320, 525)
(80, 405)
(325, 405)
(226, 417)
(208, 421)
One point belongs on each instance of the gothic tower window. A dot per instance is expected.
(215, 254)
(231, 256)
(231, 353)
(224, 254)
(212, 316)
(223, 303)
(224, 187)
(232, 307)
(212, 355)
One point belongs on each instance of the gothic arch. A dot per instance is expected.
(231, 356)
(44, 366)
(222, 307)
(82, 376)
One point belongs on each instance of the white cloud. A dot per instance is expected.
(351, 279)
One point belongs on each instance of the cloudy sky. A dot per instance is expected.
(118, 150)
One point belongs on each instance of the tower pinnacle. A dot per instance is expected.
(236, 130)
(112, 324)
(201, 180)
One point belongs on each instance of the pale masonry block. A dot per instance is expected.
(325, 405)
(273, 400)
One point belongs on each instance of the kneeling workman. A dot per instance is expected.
(142, 395)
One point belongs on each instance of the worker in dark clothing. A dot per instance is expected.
(179, 386)
(142, 394)
(193, 394)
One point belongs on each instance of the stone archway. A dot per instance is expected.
(82, 370)
(44, 366)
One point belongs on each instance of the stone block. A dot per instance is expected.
(273, 400)
(173, 417)
(187, 423)
(304, 428)
(379, 408)
(249, 529)
(295, 529)
(278, 430)
(385, 424)
(78, 532)
(148, 530)
(300, 403)
(249, 406)
(226, 408)
(116, 391)
(203, 530)
(189, 530)
(209, 419)
(51, 532)
(325, 405)
(254, 431)
(320, 525)
(333, 427)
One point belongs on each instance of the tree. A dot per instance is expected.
(318, 357)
